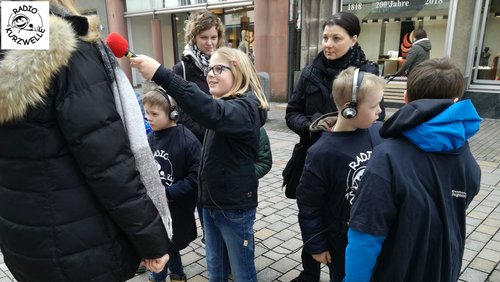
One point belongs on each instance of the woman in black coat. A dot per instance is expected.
(313, 97)
(72, 204)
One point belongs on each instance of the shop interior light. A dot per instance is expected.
(497, 15)
(420, 19)
(364, 21)
(397, 20)
(386, 20)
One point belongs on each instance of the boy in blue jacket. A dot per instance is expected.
(335, 164)
(408, 220)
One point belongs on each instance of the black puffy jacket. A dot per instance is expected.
(227, 177)
(72, 205)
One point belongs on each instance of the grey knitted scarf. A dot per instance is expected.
(130, 113)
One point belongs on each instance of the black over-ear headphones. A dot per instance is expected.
(350, 111)
(174, 114)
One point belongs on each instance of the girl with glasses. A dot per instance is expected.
(228, 182)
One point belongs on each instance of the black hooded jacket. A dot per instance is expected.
(227, 177)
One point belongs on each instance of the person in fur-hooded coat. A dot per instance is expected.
(72, 204)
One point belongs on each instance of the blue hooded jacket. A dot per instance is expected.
(447, 131)
(433, 125)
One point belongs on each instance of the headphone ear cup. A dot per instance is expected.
(349, 111)
(174, 115)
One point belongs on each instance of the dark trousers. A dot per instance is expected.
(312, 268)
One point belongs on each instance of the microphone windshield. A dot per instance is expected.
(117, 44)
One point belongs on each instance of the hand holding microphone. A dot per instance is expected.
(119, 46)
(147, 66)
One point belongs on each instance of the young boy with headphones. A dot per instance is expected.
(334, 166)
(177, 154)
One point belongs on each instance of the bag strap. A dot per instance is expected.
(183, 70)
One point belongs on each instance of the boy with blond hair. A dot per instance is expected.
(335, 164)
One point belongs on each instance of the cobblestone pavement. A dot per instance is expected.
(277, 234)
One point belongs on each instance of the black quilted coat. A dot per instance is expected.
(72, 206)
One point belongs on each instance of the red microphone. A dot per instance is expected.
(119, 45)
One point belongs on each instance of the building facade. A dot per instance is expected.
(284, 35)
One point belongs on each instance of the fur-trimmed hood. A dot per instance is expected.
(25, 75)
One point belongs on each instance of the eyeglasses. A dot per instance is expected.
(217, 69)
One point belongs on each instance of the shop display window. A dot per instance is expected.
(387, 28)
(487, 48)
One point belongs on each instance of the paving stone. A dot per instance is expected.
(493, 245)
(479, 236)
(490, 255)
(278, 226)
(491, 230)
(268, 274)
(473, 275)
(474, 245)
(470, 254)
(264, 234)
(284, 264)
(495, 276)
(483, 265)
(262, 262)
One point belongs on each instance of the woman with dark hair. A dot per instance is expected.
(312, 98)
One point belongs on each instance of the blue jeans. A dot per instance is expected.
(174, 264)
(234, 229)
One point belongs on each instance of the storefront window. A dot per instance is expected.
(180, 33)
(387, 27)
(487, 54)
(240, 31)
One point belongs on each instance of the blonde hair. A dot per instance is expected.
(342, 87)
(244, 73)
(199, 22)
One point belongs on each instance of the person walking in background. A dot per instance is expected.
(312, 98)
(177, 154)
(335, 164)
(419, 52)
(228, 181)
(407, 222)
(73, 203)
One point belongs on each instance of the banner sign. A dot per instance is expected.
(373, 9)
